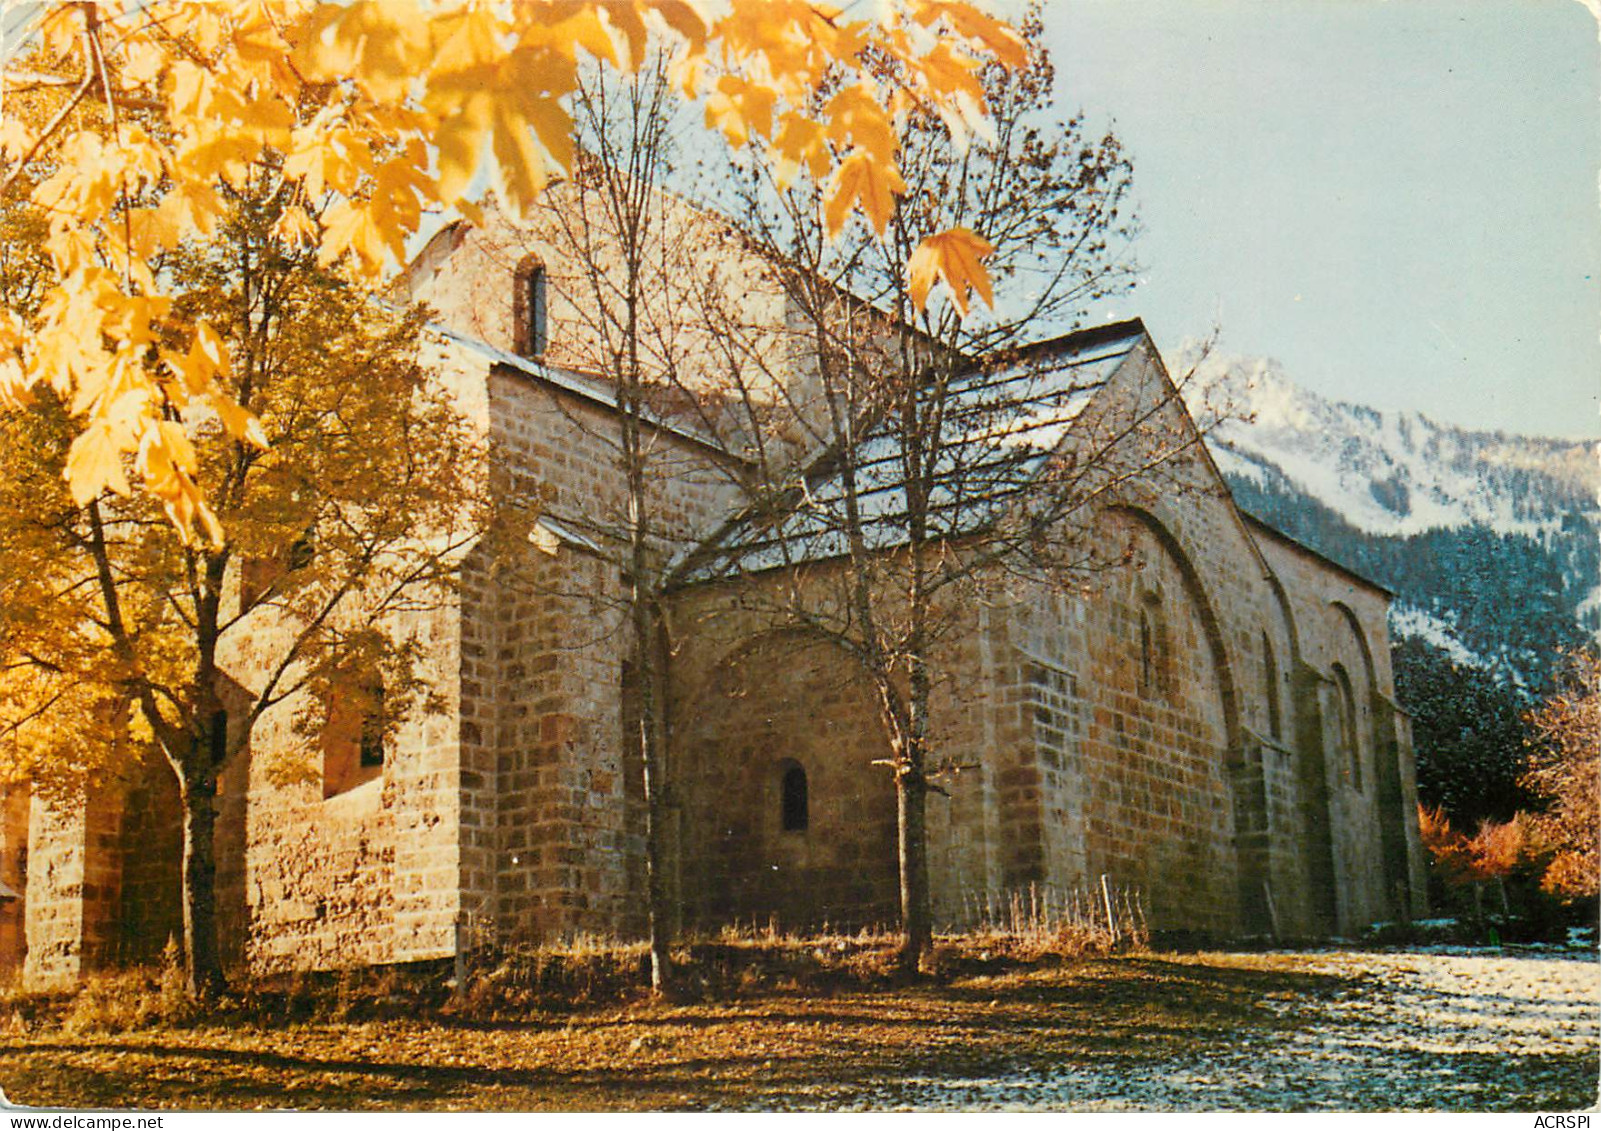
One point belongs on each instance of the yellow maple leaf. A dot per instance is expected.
(957, 257)
(207, 357)
(855, 116)
(514, 104)
(862, 181)
(167, 463)
(295, 226)
(380, 45)
(800, 142)
(94, 463)
(351, 226)
(191, 205)
(997, 38)
(951, 80)
(684, 20)
(739, 108)
(240, 422)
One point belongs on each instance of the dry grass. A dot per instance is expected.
(1125, 1021)
(507, 983)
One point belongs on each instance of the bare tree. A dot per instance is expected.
(615, 238)
(946, 456)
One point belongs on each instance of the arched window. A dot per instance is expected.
(1270, 687)
(530, 309)
(1349, 738)
(794, 809)
(1147, 653)
(1153, 646)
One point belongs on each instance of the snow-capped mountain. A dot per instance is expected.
(1492, 542)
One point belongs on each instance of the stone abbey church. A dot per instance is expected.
(1209, 720)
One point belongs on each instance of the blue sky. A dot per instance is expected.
(1395, 198)
(1398, 199)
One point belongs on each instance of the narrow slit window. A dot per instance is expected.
(1350, 736)
(533, 319)
(1153, 673)
(795, 809)
(372, 728)
(1147, 655)
(1270, 681)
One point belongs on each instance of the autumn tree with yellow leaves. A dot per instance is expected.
(346, 508)
(368, 116)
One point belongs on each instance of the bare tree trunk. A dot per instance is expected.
(203, 974)
(911, 808)
(658, 913)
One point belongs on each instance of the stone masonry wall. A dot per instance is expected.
(14, 806)
(552, 796)
(1152, 725)
(784, 704)
(73, 887)
(364, 876)
(151, 851)
(1373, 844)
(701, 288)
(753, 696)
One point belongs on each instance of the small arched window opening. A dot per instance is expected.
(794, 807)
(1270, 688)
(1153, 646)
(532, 309)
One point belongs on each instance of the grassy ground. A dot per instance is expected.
(1078, 1029)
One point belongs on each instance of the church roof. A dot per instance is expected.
(1262, 525)
(593, 389)
(1002, 422)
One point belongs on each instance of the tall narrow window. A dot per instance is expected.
(371, 747)
(531, 309)
(1349, 736)
(1270, 687)
(1147, 654)
(1153, 646)
(219, 737)
(795, 809)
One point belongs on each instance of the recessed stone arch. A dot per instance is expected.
(1171, 801)
(1195, 591)
(1373, 723)
(1370, 680)
(775, 703)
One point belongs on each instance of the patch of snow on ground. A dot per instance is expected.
(1406, 1031)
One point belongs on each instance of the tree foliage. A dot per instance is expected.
(364, 117)
(906, 438)
(1468, 733)
(1565, 769)
(346, 499)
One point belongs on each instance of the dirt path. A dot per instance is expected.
(1304, 1031)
